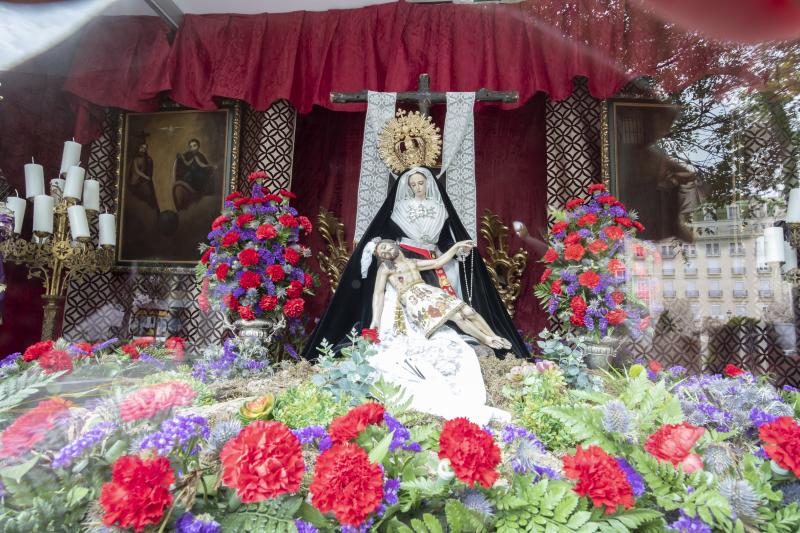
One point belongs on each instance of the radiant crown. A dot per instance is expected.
(409, 139)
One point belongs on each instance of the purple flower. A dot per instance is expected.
(636, 481)
(66, 455)
(291, 351)
(677, 370)
(310, 433)
(390, 490)
(176, 432)
(305, 527)
(188, 523)
(401, 436)
(325, 443)
(789, 388)
(513, 432)
(152, 360)
(759, 417)
(9, 359)
(686, 524)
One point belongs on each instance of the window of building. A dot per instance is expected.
(733, 211)
(689, 250)
(736, 248)
(712, 249)
(695, 309)
(741, 309)
(668, 268)
(716, 310)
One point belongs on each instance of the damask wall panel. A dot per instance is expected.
(268, 143)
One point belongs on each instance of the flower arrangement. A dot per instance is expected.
(584, 279)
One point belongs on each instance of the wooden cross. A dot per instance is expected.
(424, 98)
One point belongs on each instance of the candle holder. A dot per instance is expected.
(56, 259)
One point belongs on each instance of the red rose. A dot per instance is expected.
(654, 366)
(268, 303)
(242, 201)
(574, 252)
(472, 452)
(219, 221)
(558, 227)
(732, 371)
(266, 231)
(550, 256)
(295, 289)
(573, 238)
(222, 271)
(618, 297)
(34, 351)
(673, 442)
(638, 225)
(599, 477)
(575, 202)
(782, 442)
(347, 484)
(55, 361)
(207, 255)
(596, 187)
(616, 267)
(257, 175)
(623, 221)
(250, 280)
(248, 257)
(614, 233)
(243, 219)
(31, 427)
(370, 335)
(555, 288)
(246, 313)
(348, 426)
(287, 221)
(305, 223)
(294, 308)
(597, 246)
(578, 304)
(589, 279)
(616, 316)
(138, 492)
(291, 255)
(230, 301)
(177, 345)
(587, 220)
(607, 199)
(233, 196)
(545, 274)
(264, 461)
(287, 194)
(275, 272)
(230, 239)
(577, 319)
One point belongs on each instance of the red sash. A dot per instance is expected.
(444, 283)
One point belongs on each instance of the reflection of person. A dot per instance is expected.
(192, 173)
(140, 176)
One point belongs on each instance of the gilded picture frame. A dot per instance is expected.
(174, 168)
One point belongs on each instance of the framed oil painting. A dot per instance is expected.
(175, 168)
(661, 189)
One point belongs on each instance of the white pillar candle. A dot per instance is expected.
(43, 213)
(71, 155)
(773, 245)
(790, 262)
(760, 258)
(34, 180)
(17, 206)
(78, 223)
(74, 186)
(108, 230)
(793, 209)
(91, 195)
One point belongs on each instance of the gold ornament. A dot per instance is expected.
(408, 140)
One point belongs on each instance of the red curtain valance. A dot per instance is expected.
(303, 56)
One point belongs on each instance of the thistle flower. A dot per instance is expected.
(791, 493)
(743, 499)
(476, 501)
(617, 418)
(221, 433)
(717, 458)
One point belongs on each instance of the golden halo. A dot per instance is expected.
(408, 140)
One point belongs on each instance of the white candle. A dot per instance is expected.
(74, 185)
(791, 257)
(108, 230)
(760, 260)
(91, 195)
(793, 209)
(17, 205)
(78, 223)
(71, 155)
(773, 245)
(43, 213)
(34, 180)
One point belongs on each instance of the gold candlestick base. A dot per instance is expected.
(793, 234)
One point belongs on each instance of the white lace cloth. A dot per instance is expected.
(458, 158)
(441, 374)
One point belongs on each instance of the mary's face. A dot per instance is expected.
(419, 185)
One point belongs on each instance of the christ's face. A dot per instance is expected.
(387, 251)
(419, 185)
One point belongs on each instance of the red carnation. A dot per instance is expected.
(291, 255)
(242, 201)
(243, 219)
(638, 225)
(230, 301)
(616, 267)
(599, 477)
(348, 426)
(732, 371)
(230, 238)
(248, 257)
(614, 233)
(573, 238)
(294, 308)
(545, 274)
(271, 197)
(34, 351)
(347, 484)
(578, 304)
(782, 442)
(54, 361)
(577, 319)
(177, 345)
(607, 199)
(617, 316)
(596, 187)
(150, 400)
(558, 227)
(618, 297)
(138, 492)
(275, 272)
(287, 194)
(31, 427)
(555, 288)
(222, 271)
(673, 442)
(305, 223)
(131, 351)
(370, 335)
(264, 461)
(550, 256)
(257, 175)
(266, 231)
(233, 196)
(589, 279)
(250, 280)
(575, 202)
(219, 221)
(655, 367)
(268, 302)
(623, 221)
(587, 220)
(472, 452)
(85, 349)
(246, 312)
(597, 246)
(295, 289)
(207, 255)
(287, 221)
(308, 280)
(574, 252)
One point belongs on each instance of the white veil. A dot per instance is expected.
(406, 210)
(404, 192)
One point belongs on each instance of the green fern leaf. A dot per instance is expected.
(459, 518)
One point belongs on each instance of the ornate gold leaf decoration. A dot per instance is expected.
(410, 139)
(334, 259)
(506, 270)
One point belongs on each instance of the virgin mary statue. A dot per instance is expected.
(420, 216)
